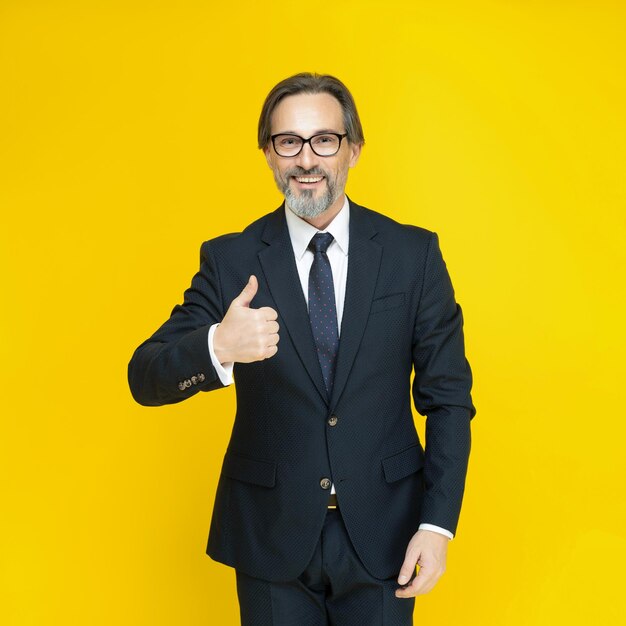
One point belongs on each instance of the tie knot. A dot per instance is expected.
(320, 242)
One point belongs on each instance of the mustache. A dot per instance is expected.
(299, 171)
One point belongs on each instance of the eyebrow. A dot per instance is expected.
(317, 132)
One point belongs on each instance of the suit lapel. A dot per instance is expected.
(281, 273)
(364, 257)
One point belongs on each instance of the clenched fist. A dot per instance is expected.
(246, 335)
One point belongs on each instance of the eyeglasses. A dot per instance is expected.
(322, 144)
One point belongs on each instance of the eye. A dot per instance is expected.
(288, 141)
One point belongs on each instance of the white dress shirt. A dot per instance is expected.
(301, 233)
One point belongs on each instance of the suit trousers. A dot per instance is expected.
(334, 589)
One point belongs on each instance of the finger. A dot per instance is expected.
(423, 584)
(272, 327)
(425, 580)
(408, 567)
(408, 582)
(268, 313)
(415, 587)
(271, 351)
(247, 293)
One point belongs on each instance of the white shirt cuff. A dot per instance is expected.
(436, 529)
(224, 370)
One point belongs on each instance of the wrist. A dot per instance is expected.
(441, 536)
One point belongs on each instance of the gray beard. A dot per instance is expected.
(304, 205)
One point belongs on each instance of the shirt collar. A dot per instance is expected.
(301, 232)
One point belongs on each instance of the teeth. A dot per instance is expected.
(309, 180)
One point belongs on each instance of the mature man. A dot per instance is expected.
(326, 500)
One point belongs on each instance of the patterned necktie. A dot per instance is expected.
(322, 308)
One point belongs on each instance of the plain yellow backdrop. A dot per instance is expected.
(128, 137)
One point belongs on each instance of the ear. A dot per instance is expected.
(268, 156)
(355, 153)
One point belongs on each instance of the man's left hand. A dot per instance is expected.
(427, 549)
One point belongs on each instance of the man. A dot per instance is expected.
(326, 500)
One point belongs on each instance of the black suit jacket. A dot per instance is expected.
(399, 314)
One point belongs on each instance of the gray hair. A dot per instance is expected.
(306, 82)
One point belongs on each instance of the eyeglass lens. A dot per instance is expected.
(322, 145)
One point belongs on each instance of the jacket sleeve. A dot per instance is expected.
(175, 363)
(441, 391)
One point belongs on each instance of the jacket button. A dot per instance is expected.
(332, 421)
(325, 483)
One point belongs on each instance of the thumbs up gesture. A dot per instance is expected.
(245, 334)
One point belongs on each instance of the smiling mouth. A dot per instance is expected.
(308, 181)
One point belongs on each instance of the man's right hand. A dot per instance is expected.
(246, 335)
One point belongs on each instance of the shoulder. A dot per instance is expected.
(393, 233)
(247, 242)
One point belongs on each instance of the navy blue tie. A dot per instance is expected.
(322, 308)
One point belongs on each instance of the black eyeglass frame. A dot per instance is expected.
(305, 141)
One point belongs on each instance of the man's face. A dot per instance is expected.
(306, 115)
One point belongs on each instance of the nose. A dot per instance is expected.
(307, 158)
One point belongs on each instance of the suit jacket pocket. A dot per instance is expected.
(249, 470)
(387, 302)
(403, 463)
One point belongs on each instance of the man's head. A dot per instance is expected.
(311, 175)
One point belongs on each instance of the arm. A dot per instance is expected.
(195, 351)
(224, 370)
(441, 391)
(436, 529)
(175, 363)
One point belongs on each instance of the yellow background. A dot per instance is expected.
(128, 137)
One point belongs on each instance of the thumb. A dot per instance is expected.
(408, 567)
(247, 294)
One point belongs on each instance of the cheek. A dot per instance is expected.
(333, 171)
(278, 173)
(340, 172)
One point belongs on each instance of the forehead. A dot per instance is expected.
(307, 113)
